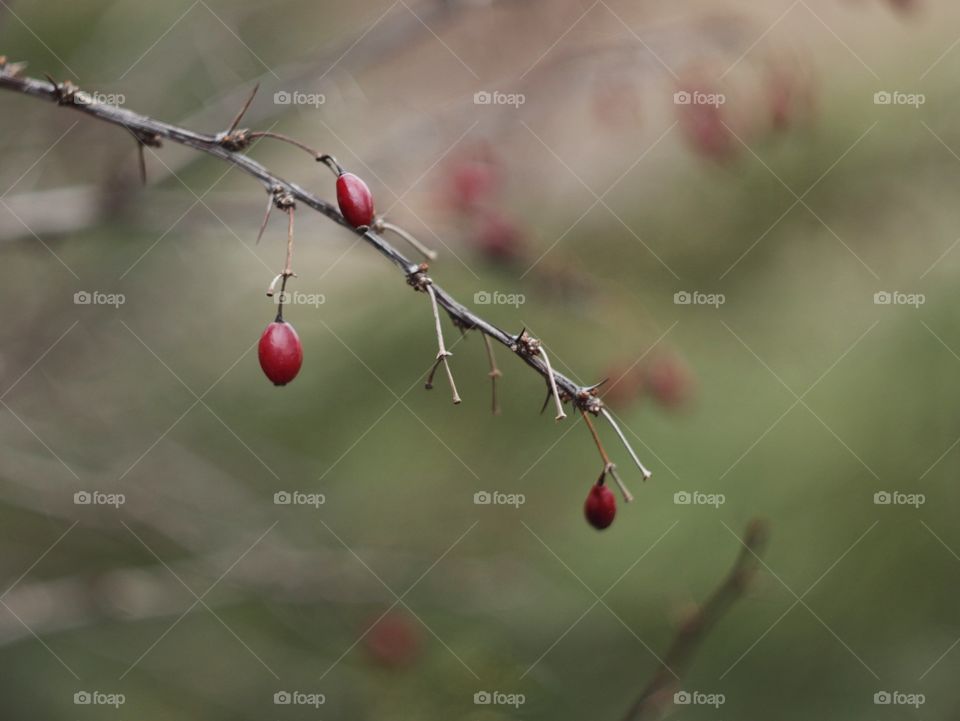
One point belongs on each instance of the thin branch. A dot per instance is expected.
(494, 374)
(623, 438)
(266, 216)
(380, 225)
(553, 384)
(213, 144)
(657, 696)
(442, 353)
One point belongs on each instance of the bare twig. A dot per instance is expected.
(152, 131)
(266, 215)
(657, 696)
(442, 353)
(553, 384)
(494, 374)
(381, 225)
(623, 438)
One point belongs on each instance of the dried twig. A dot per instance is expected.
(381, 225)
(623, 438)
(494, 374)
(657, 696)
(442, 353)
(220, 146)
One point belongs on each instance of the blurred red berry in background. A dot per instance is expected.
(701, 114)
(670, 380)
(394, 640)
(498, 238)
(624, 386)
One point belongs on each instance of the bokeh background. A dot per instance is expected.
(591, 200)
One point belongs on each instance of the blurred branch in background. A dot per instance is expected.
(657, 696)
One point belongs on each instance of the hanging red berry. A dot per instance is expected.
(281, 354)
(355, 200)
(353, 195)
(600, 507)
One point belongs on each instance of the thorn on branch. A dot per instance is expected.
(527, 345)
(10, 70)
(243, 109)
(144, 139)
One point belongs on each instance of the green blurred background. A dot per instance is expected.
(798, 399)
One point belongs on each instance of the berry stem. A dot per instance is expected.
(553, 384)
(643, 470)
(287, 268)
(331, 162)
(609, 467)
(442, 353)
(284, 139)
(494, 372)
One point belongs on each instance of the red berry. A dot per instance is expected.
(280, 353)
(498, 238)
(670, 380)
(355, 200)
(394, 641)
(601, 506)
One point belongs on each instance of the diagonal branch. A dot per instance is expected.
(229, 146)
(657, 696)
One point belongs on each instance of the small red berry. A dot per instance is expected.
(498, 238)
(355, 200)
(600, 507)
(280, 352)
(393, 641)
(670, 381)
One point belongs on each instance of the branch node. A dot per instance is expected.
(418, 278)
